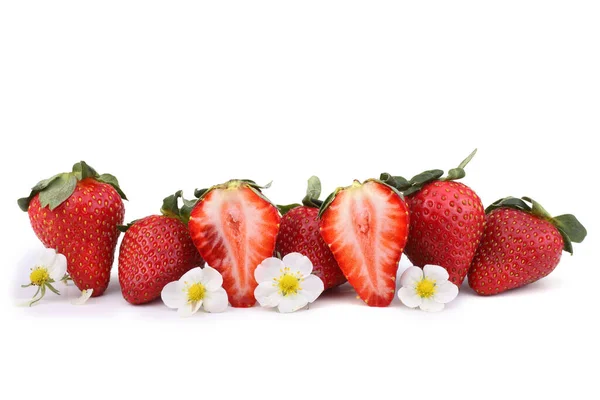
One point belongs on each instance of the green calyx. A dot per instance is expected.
(568, 225)
(170, 208)
(408, 187)
(356, 184)
(57, 189)
(311, 199)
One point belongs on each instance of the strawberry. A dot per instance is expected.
(154, 251)
(521, 244)
(77, 213)
(366, 227)
(299, 232)
(234, 228)
(447, 220)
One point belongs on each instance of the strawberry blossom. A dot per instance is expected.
(287, 284)
(85, 295)
(427, 288)
(197, 287)
(49, 268)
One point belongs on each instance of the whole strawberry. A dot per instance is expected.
(521, 244)
(299, 232)
(156, 250)
(446, 220)
(77, 213)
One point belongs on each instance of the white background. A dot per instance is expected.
(179, 95)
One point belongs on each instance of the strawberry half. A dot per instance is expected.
(521, 244)
(234, 227)
(366, 228)
(447, 219)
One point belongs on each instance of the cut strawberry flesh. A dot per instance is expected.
(366, 227)
(234, 230)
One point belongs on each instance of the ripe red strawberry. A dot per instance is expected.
(521, 244)
(299, 232)
(366, 227)
(156, 250)
(446, 220)
(77, 214)
(234, 228)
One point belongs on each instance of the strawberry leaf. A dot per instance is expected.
(170, 207)
(313, 192)
(58, 191)
(112, 181)
(571, 226)
(287, 208)
(82, 170)
(425, 177)
(57, 186)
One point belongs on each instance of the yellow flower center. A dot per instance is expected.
(426, 288)
(39, 276)
(196, 292)
(288, 282)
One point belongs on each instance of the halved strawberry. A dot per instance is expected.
(366, 227)
(234, 228)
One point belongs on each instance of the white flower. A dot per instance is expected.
(85, 295)
(49, 268)
(197, 287)
(427, 288)
(287, 284)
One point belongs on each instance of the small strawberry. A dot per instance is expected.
(521, 244)
(366, 227)
(446, 220)
(154, 251)
(299, 233)
(234, 228)
(77, 213)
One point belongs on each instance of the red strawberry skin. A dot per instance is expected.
(366, 228)
(234, 229)
(517, 249)
(155, 250)
(84, 229)
(299, 232)
(447, 222)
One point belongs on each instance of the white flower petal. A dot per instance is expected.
(409, 297)
(292, 303)
(312, 287)
(298, 262)
(445, 292)
(436, 273)
(268, 269)
(174, 295)
(411, 277)
(212, 279)
(46, 258)
(58, 269)
(267, 294)
(216, 301)
(85, 295)
(189, 309)
(194, 275)
(431, 305)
